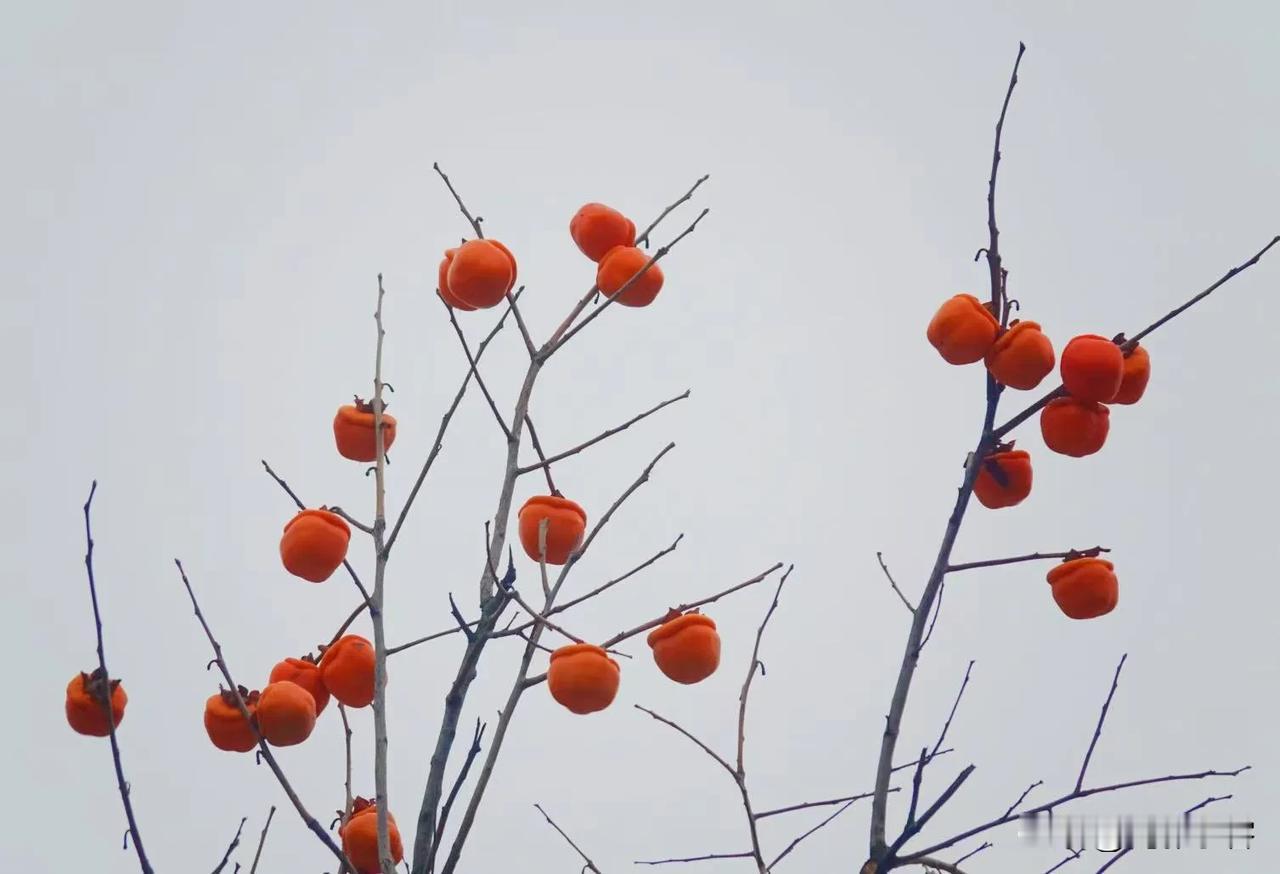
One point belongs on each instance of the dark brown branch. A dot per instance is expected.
(105, 700)
(355, 523)
(589, 866)
(458, 783)
(475, 222)
(993, 247)
(796, 842)
(546, 462)
(707, 858)
(1071, 857)
(1127, 850)
(231, 848)
(1132, 341)
(985, 845)
(888, 576)
(262, 840)
(1091, 552)
(474, 370)
(355, 578)
(1023, 797)
(914, 828)
(1102, 717)
(263, 750)
(702, 746)
(644, 236)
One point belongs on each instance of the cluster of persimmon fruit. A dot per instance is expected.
(1096, 373)
(582, 677)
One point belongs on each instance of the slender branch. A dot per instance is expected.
(262, 840)
(707, 858)
(474, 370)
(355, 523)
(458, 783)
(351, 572)
(544, 463)
(916, 825)
(105, 699)
(524, 329)
(888, 576)
(231, 848)
(1091, 552)
(1075, 854)
(440, 432)
(387, 863)
(590, 866)
(796, 842)
(1102, 717)
(644, 236)
(1133, 341)
(349, 801)
(475, 222)
(657, 256)
(263, 750)
(938, 865)
(1023, 797)
(993, 247)
(985, 845)
(702, 746)
(547, 462)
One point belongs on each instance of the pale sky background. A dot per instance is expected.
(197, 198)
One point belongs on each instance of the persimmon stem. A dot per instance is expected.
(121, 783)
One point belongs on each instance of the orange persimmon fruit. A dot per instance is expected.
(1075, 427)
(963, 330)
(1085, 588)
(347, 670)
(226, 725)
(1137, 371)
(481, 273)
(617, 269)
(583, 678)
(1092, 368)
(1021, 357)
(1014, 468)
(354, 434)
(314, 544)
(442, 283)
(566, 523)
(596, 229)
(86, 694)
(686, 648)
(286, 714)
(306, 673)
(359, 836)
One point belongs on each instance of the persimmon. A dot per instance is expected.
(286, 713)
(226, 725)
(1137, 371)
(360, 837)
(354, 434)
(686, 648)
(306, 673)
(1004, 479)
(442, 283)
(1021, 357)
(616, 270)
(583, 678)
(963, 330)
(1085, 588)
(566, 523)
(1075, 427)
(314, 544)
(596, 229)
(347, 670)
(86, 695)
(481, 273)
(1092, 368)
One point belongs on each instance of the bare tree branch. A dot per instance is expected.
(888, 576)
(547, 462)
(263, 750)
(231, 848)
(707, 858)
(590, 866)
(796, 842)
(1102, 717)
(105, 700)
(262, 840)
(1091, 552)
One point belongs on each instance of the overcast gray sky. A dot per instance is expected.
(197, 200)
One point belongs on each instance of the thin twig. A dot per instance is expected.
(1023, 797)
(709, 857)
(474, 369)
(263, 750)
(231, 848)
(546, 462)
(105, 699)
(459, 781)
(475, 222)
(796, 842)
(1091, 552)
(644, 236)
(1102, 717)
(888, 576)
(590, 866)
(702, 746)
(262, 840)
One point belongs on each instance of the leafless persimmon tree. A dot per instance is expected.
(532, 605)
